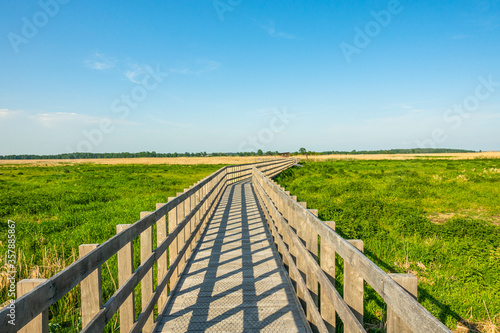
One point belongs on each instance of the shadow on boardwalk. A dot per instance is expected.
(235, 281)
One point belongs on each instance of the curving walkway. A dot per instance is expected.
(235, 281)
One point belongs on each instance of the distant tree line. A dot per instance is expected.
(260, 152)
(71, 156)
(401, 151)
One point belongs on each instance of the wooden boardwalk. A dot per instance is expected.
(235, 281)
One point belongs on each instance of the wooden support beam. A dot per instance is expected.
(181, 239)
(90, 289)
(311, 238)
(161, 235)
(410, 284)
(327, 257)
(125, 269)
(39, 324)
(147, 281)
(173, 250)
(354, 285)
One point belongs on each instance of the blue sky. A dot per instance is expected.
(233, 75)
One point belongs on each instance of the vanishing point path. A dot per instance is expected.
(235, 281)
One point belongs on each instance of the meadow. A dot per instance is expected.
(438, 219)
(58, 208)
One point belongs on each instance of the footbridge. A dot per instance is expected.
(235, 252)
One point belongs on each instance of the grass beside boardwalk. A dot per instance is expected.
(60, 207)
(438, 219)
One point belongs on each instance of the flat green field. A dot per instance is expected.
(58, 208)
(438, 219)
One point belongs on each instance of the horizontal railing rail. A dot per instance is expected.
(187, 213)
(296, 230)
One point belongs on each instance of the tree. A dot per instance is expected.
(303, 151)
(259, 152)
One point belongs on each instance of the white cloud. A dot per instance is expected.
(134, 72)
(200, 67)
(50, 119)
(100, 62)
(405, 107)
(6, 113)
(271, 31)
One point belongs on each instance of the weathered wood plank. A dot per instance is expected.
(125, 270)
(147, 280)
(410, 284)
(161, 235)
(327, 257)
(90, 289)
(39, 324)
(354, 285)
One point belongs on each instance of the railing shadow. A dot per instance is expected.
(233, 283)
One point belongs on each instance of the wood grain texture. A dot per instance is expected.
(39, 324)
(147, 280)
(354, 286)
(90, 289)
(125, 269)
(328, 266)
(410, 284)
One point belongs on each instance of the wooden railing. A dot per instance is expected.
(187, 214)
(297, 230)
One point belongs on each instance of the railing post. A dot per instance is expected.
(354, 286)
(125, 269)
(90, 289)
(409, 283)
(311, 238)
(181, 237)
(188, 227)
(161, 235)
(147, 281)
(197, 217)
(327, 257)
(173, 250)
(301, 265)
(39, 324)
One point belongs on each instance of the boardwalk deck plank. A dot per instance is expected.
(234, 281)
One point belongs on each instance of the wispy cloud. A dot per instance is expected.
(200, 67)
(134, 72)
(100, 62)
(6, 113)
(50, 119)
(406, 107)
(271, 31)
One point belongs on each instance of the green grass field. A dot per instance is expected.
(58, 208)
(438, 219)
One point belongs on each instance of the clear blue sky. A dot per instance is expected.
(241, 75)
